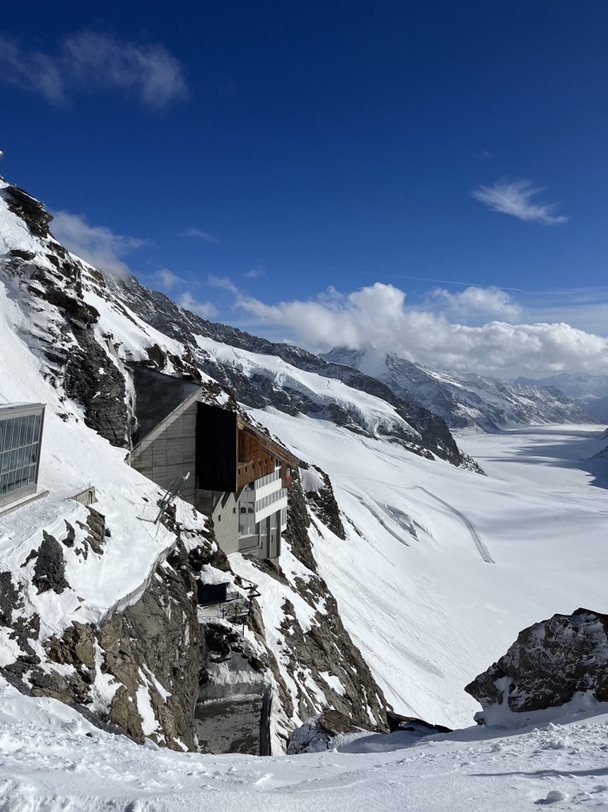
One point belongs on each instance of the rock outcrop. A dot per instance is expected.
(550, 664)
(318, 732)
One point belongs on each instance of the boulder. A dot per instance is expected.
(317, 733)
(553, 663)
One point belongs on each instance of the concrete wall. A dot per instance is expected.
(223, 509)
(170, 453)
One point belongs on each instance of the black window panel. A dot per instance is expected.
(216, 452)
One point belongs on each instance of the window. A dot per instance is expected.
(20, 435)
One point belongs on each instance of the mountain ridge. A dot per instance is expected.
(466, 400)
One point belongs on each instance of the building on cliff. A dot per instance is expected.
(230, 470)
(20, 441)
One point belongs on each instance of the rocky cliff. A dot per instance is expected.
(551, 665)
(258, 385)
(98, 605)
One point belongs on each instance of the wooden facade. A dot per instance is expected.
(254, 459)
(232, 454)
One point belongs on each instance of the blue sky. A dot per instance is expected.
(410, 174)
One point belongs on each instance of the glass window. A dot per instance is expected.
(19, 451)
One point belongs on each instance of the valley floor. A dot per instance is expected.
(441, 568)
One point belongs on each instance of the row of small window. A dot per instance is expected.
(269, 478)
(18, 432)
(18, 458)
(270, 499)
(12, 480)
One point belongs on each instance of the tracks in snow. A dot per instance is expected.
(479, 544)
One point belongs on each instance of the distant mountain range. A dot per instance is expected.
(469, 400)
(590, 391)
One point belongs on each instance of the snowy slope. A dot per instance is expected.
(465, 399)
(75, 458)
(441, 568)
(54, 760)
(61, 322)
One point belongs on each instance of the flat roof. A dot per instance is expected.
(11, 410)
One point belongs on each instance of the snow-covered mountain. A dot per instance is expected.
(250, 366)
(590, 391)
(79, 580)
(404, 574)
(467, 399)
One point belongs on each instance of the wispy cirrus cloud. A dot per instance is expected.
(224, 282)
(31, 70)
(167, 278)
(197, 234)
(515, 198)
(255, 273)
(89, 61)
(97, 245)
(204, 309)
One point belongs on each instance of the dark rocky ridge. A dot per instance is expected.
(257, 391)
(145, 645)
(325, 647)
(87, 372)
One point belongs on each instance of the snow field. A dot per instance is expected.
(53, 760)
(415, 593)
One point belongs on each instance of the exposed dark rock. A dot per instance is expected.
(30, 210)
(10, 599)
(85, 369)
(23, 627)
(19, 252)
(326, 648)
(547, 665)
(184, 365)
(49, 572)
(317, 733)
(324, 505)
(70, 536)
(96, 531)
(94, 381)
(298, 522)
(76, 648)
(412, 724)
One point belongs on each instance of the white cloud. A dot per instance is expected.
(34, 71)
(478, 302)
(204, 309)
(166, 278)
(199, 235)
(515, 198)
(222, 282)
(378, 315)
(255, 272)
(90, 61)
(96, 244)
